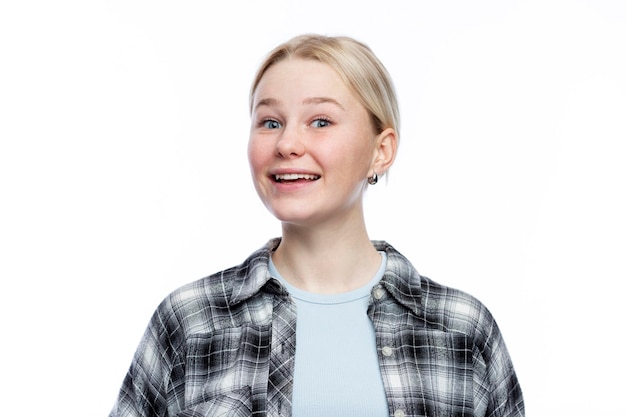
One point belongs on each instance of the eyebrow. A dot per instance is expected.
(320, 100)
(270, 102)
(267, 102)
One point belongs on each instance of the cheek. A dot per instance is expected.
(257, 155)
(354, 156)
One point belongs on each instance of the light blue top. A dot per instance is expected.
(336, 364)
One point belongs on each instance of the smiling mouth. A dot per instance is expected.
(295, 177)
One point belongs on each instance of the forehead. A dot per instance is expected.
(301, 73)
(304, 76)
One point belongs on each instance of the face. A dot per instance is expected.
(312, 144)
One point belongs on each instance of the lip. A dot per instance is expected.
(300, 178)
(293, 171)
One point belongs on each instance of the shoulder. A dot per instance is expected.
(212, 302)
(454, 310)
(437, 305)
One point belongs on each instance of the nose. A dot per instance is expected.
(290, 143)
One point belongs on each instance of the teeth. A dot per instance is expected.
(293, 177)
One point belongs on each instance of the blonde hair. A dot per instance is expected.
(357, 66)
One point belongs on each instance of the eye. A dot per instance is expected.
(320, 122)
(271, 124)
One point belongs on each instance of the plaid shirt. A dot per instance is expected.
(225, 346)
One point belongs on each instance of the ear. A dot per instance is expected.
(384, 152)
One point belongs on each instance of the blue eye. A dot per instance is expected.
(320, 123)
(271, 124)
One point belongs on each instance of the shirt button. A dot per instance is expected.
(379, 293)
(398, 413)
(387, 351)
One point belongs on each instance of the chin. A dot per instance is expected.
(296, 216)
(292, 218)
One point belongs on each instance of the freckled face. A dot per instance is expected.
(311, 144)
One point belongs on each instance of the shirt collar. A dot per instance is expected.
(254, 273)
(401, 279)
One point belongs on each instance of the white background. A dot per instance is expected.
(123, 175)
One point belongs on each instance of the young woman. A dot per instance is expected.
(321, 321)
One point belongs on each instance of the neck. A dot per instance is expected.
(327, 259)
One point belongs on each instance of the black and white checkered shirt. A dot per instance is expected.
(225, 346)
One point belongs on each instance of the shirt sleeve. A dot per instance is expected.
(497, 392)
(149, 388)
